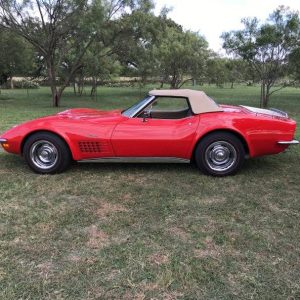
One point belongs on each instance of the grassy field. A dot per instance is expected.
(141, 231)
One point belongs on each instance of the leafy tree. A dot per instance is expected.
(62, 31)
(156, 46)
(236, 71)
(53, 28)
(216, 71)
(294, 64)
(100, 67)
(137, 34)
(17, 57)
(266, 47)
(179, 54)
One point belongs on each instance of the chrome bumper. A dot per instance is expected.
(293, 142)
(3, 141)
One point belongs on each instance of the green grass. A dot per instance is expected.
(141, 231)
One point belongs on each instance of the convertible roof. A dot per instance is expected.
(199, 101)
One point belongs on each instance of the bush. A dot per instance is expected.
(26, 84)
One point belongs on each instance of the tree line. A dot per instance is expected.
(67, 42)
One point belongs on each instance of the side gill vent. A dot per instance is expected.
(88, 147)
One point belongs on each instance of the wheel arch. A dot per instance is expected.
(235, 133)
(28, 135)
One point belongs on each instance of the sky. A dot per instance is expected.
(212, 17)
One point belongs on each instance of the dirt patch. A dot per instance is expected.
(139, 296)
(106, 209)
(113, 274)
(210, 250)
(74, 258)
(212, 200)
(97, 238)
(46, 228)
(2, 274)
(159, 259)
(180, 233)
(172, 296)
(151, 286)
(127, 198)
(45, 269)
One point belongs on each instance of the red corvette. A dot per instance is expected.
(166, 126)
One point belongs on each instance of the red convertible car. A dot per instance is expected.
(166, 126)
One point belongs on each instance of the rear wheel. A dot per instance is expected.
(46, 153)
(220, 154)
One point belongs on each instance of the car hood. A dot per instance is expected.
(86, 113)
(73, 115)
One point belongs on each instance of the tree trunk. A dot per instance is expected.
(262, 93)
(52, 82)
(74, 87)
(265, 94)
(80, 85)
(94, 87)
(56, 95)
(173, 82)
(11, 83)
(232, 83)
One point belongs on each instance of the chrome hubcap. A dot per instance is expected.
(43, 154)
(220, 156)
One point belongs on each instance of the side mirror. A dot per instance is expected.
(146, 115)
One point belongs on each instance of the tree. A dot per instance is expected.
(13, 61)
(294, 64)
(100, 67)
(216, 71)
(134, 38)
(52, 27)
(179, 54)
(156, 46)
(236, 71)
(61, 31)
(266, 47)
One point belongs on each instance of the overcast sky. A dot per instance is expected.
(212, 17)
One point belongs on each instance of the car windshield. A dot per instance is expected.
(136, 107)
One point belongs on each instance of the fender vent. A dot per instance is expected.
(88, 147)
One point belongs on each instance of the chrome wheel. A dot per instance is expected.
(43, 154)
(220, 156)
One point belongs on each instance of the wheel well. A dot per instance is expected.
(236, 134)
(43, 131)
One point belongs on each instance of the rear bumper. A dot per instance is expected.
(293, 142)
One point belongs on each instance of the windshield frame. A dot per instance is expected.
(136, 108)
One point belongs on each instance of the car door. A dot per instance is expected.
(168, 133)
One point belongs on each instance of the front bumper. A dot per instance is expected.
(3, 141)
(293, 142)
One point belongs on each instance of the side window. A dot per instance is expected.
(167, 108)
(170, 104)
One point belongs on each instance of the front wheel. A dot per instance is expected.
(220, 154)
(46, 153)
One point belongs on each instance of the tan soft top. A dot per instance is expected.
(199, 101)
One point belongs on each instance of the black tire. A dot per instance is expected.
(220, 154)
(46, 153)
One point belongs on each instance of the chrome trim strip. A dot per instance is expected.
(136, 160)
(293, 142)
(3, 141)
(141, 108)
(273, 112)
(283, 113)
